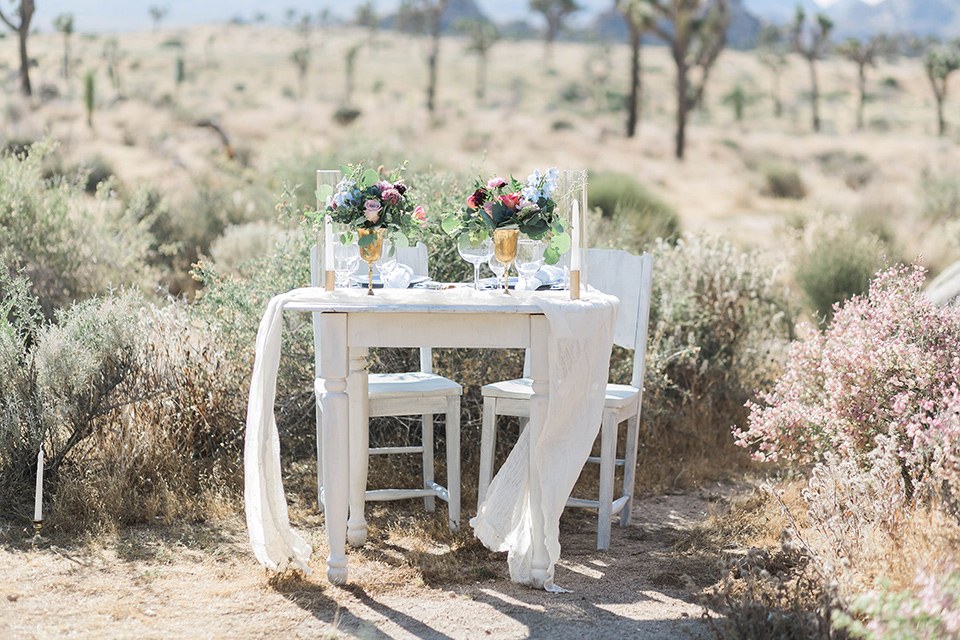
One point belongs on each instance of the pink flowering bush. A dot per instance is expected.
(889, 362)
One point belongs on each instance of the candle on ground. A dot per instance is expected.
(38, 501)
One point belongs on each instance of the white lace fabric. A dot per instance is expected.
(579, 354)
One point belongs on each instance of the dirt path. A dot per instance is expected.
(202, 582)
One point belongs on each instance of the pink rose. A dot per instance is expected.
(371, 210)
(510, 200)
(390, 196)
(496, 183)
(419, 213)
(471, 203)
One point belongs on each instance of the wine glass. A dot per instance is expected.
(475, 254)
(529, 260)
(346, 257)
(497, 267)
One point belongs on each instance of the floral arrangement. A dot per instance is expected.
(510, 204)
(363, 200)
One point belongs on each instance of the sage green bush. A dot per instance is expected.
(68, 245)
(639, 216)
(782, 181)
(835, 261)
(720, 320)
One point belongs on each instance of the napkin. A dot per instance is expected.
(397, 278)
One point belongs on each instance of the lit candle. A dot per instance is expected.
(38, 501)
(575, 256)
(328, 240)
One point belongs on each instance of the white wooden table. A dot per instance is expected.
(350, 323)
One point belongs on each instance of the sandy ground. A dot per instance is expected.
(203, 582)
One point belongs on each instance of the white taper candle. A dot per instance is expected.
(38, 501)
(328, 240)
(575, 241)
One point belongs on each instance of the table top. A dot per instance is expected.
(462, 300)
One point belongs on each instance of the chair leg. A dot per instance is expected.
(319, 457)
(453, 461)
(629, 468)
(608, 455)
(430, 502)
(488, 444)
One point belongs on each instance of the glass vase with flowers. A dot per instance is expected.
(369, 205)
(503, 209)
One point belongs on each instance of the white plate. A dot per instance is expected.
(378, 283)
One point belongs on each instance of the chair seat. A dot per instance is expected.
(618, 396)
(416, 383)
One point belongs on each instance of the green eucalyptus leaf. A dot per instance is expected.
(561, 242)
(367, 240)
(370, 177)
(450, 224)
(345, 169)
(400, 241)
(551, 255)
(323, 192)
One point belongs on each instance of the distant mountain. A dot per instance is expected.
(855, 18)
(779, 11)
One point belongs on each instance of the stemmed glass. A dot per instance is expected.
(475, 254)
(529, 260)
(497, 267)
(346, 257)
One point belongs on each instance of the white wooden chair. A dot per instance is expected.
(403, 394)
(629, 278)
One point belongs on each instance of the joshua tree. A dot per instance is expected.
(157, 14)
(738, 98)
(25, 11)
(482, 35)
(367, 17)
(940, 61)
(810, 41)
(864, 53)
(639, 19)
(113, 56)
(696, 31)
(350, 57)
(89, 96)
(772, 49)
(555, 12)
(64, 24)
(301, 59)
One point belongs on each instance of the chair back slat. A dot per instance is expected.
(628, 277)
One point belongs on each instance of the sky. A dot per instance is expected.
(110, 15)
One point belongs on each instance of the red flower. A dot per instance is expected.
(419, 213)
(510, 200)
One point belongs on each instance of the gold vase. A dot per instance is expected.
(505, 250)
(371, 252)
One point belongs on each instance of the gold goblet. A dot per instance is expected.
(370, 253)
(505, 249)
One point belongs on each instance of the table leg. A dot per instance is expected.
(539, 401)
(357, 389)
(336, 465)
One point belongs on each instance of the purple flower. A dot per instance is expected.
(399, 186)
(371, 210)
(390, 195)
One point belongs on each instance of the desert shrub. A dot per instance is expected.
(242, 243)
(719, 319)
(886, 364)
(855, 169)
(645, 216)
(345, 115)
(834, 261)
(93, 171)
(781, 181)
(940, 197)
(69, 246)
(927, 611)
(130, 404)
